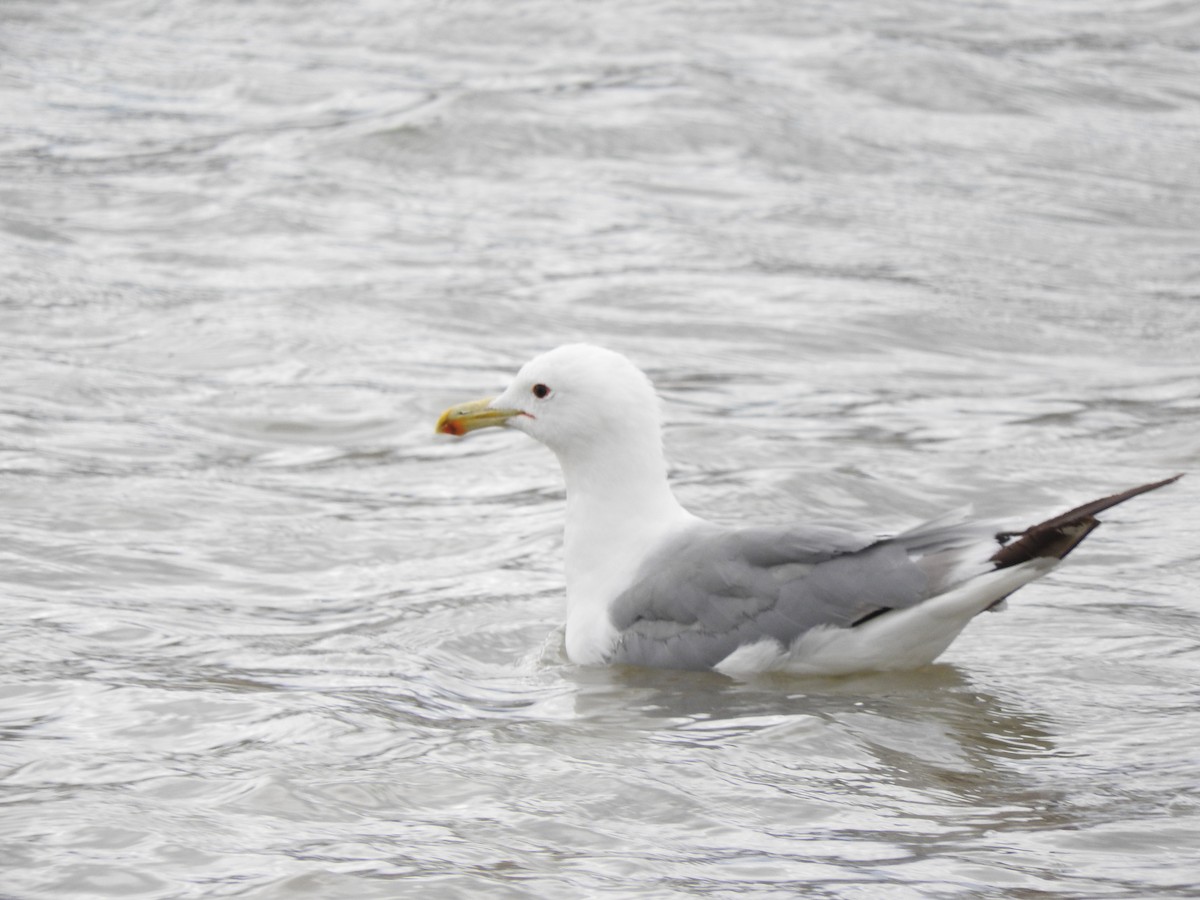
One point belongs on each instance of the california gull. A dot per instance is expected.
(651, 584)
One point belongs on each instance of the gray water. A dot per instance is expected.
(263, 635)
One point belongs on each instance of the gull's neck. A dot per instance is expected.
(619, 507)
(611, 485)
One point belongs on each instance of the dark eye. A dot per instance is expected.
(541, 391)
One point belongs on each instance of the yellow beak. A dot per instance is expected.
(464, 417)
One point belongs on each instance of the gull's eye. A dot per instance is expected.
(541, 391)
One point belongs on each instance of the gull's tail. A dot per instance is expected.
(1057, 537)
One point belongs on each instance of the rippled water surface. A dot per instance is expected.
(263, 635)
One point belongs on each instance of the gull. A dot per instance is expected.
(650, 584)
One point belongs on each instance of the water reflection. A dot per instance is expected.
(933, 731)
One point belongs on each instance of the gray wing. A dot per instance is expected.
(711, 591)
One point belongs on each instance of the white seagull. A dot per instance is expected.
(651, 584)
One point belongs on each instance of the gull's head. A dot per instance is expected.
(574, 398)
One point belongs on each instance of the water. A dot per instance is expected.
(265, 636)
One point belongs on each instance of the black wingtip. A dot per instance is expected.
(1057, 537)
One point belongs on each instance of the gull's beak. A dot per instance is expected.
(464, 417)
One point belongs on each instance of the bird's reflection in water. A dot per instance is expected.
(932, 731)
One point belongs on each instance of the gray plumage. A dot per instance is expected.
(713, 590)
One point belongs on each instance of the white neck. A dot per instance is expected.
(619, 508)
